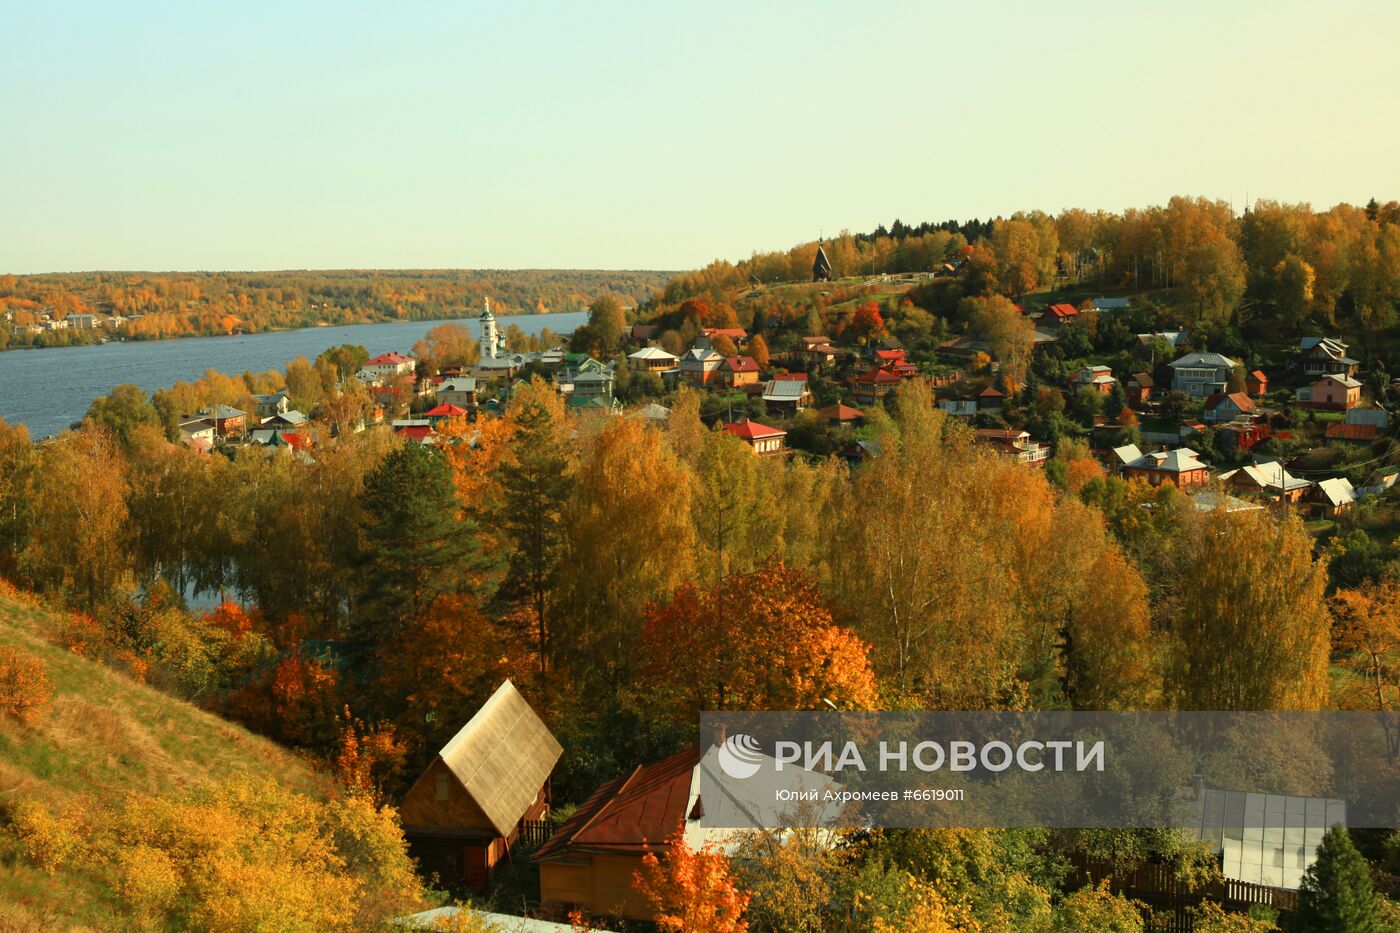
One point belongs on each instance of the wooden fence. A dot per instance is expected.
(535, 832)
(1170, 900)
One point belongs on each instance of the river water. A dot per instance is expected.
(47, 390)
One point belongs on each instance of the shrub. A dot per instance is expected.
(24, 685)
(50, 841)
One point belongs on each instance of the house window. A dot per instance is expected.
(441, 787)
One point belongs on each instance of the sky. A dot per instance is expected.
(516, 134)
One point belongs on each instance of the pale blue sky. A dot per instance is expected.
(253, 135)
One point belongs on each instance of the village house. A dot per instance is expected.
(737, 335)
(1110, 304)
(442, 412)
(459, 391)
(369, 380)
(1342, 433)
(1172, 338)
(815, 352)
(1332, 497)
(1320, 356)
(228, 421)
(1139, 388)
(590, 863)
(1241, 436)
(483, 787)
(700, 366)
(739, 371)
(195, 428)
(1179, 467)
(1230, 406)
(1014, 443)
(1267, 480)
(389, 365)
(652, 360)
(592, 384)
(989, 398)
(1202, 374)
(287, 420)
(272, 403)
(644, 335)
(765, 441)
(1093, 379)
(1256, 384)
(1058, 315)
(869, 387)
(787, 394)
(964, 407)
(842, 417)
(1116, 458)
(1333, 392)
(415, 429)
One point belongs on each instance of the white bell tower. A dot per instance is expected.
(490, 338)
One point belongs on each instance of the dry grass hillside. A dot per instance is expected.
(104, 735)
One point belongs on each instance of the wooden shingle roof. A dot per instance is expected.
(502, 757)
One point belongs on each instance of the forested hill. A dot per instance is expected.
(178, 304)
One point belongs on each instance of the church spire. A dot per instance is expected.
(821, 266)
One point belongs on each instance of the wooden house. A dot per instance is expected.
(1139, 388)
(1256, 384)
(590, 862)
(842, 416)
(1227, 406)
(466, 810)
(739, 371)
(1320, 356)
(765, 441)
(1058, 315)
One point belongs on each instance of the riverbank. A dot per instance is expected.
(49, 389)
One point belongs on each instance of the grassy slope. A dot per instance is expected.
(105, 734)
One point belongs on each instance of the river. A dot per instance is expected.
(47, 390)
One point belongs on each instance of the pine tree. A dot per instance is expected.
(1336, 894)
(417, 549)
(535, 487)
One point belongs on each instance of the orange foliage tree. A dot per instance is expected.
(367, 758)
(867, 321)
(692, 891)
(24, 685)
(760, 640)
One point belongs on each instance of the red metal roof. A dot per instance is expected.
(631, 813)
(417, 432)
(877, 376)
(790, 377)
(1064, 310)
(736, 332)
(889, 354)
(751, 430)
(741, 364)
(839, 412)
(1340, 431)
(389, 359)
(445, 410)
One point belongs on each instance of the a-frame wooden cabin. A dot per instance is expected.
(466, 810)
